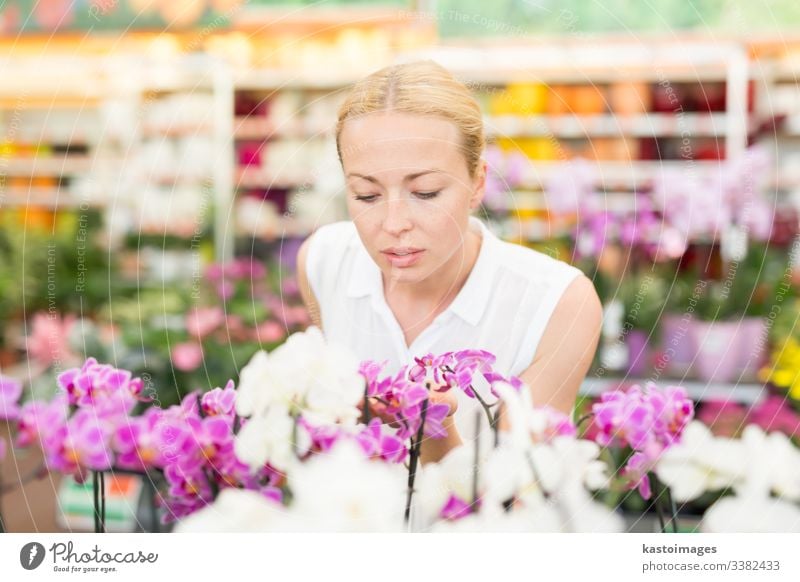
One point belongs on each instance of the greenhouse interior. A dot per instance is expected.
(164, 162)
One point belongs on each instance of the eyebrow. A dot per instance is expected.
(408, 178)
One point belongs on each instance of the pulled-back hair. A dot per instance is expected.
(422, 88)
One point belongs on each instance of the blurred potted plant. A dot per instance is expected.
(181, 338)
(642, 295)
(730, 336)
(783, 368)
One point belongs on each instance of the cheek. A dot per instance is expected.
(447, 215)
(367, 217)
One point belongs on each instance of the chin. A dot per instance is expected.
(411, 275)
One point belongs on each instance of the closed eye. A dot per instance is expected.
(423, 195)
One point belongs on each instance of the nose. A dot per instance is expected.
(397, 218)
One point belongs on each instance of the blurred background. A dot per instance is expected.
(162, 160)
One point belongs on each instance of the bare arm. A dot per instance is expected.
(305, 288)
(567, 348)
(562, 360)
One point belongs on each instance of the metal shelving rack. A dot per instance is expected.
(109, 95)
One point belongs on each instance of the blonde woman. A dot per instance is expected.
(414, 272)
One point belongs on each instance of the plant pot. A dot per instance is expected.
(638, 352)
(717, 348)
(31, 507)
(752, 346)
(676, 346)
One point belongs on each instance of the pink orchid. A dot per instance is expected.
(219, 401)
(38, 420)
(455, 508)
(210, 441)
(108, 389)
(81, 445)
(10, 393)
(188, 490)
(649, 421)
(375, 441)
(557, 424)
(137, 442)
(323, 437)
(636, 471)
(569, 187)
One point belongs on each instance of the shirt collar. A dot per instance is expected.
(470, 303)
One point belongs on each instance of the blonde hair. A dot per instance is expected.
(422, 88)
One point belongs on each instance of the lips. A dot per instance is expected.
(402, 258)
(401, 251)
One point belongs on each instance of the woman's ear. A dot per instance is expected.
(479, 185)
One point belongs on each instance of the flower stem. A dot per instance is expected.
(583, 419)
(2, 523)
(96, 501)
(366, 406)
(673, 511)
(416, 444)
(496, 427)
(476, 460)
(102, 502)
(152, 495)
(295, 419)
(663, 496)
(486, 408)
(660, 513)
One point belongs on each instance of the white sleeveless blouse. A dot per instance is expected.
(503, 307)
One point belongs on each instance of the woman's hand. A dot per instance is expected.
(378, 408)
(448, 397)
(433, 450)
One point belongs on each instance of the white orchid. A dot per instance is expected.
(543, 518)
(751, 514)
(271, 437)
(260, 385)
(547, 476)
(507, 472)
(785, 470)
(700, 462)
(578, 467)
(754, 467)
(319, 377)
(236, 511)
(772, 465)
(436, 482)
(344, 491)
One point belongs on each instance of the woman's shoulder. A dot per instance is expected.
(332, 239)
(324, 249)
(342, 230)
(531, 263)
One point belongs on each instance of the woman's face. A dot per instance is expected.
(409, 191)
